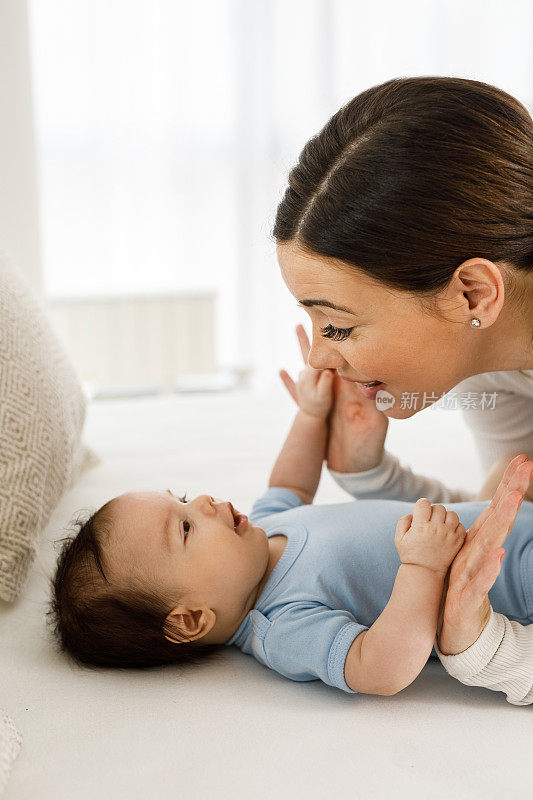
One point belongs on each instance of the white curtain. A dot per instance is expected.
(166, 129)
(19, 223)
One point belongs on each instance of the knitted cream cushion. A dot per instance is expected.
(42, 412)
(10, 744)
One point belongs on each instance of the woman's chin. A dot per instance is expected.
(389, 402)
(393, 410)
(393, 413)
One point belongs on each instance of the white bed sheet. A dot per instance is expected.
(234, 729)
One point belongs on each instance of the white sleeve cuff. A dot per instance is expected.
(468, 663)
(373, 480)
(501, 659)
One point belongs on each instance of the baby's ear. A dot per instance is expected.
(184, 625)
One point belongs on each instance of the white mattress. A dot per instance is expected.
(234, 729)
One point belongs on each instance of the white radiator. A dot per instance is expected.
(138, 344)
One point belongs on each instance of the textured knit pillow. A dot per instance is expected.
(42, 412)
(10, 744)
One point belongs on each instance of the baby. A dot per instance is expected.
(349, 593)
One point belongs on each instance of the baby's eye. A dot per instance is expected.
(186, 527)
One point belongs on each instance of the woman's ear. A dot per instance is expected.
(479, 286)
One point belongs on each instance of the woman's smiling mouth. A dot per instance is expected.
(367, 384)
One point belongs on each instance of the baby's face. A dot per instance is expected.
(189, 550)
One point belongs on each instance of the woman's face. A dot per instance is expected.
(387, 335)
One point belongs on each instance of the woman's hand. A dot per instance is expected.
(313, 391)
(477, 565)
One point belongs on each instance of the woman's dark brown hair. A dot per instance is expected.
(99, 624)
(412, 177)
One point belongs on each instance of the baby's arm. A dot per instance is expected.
(299, 464)
(392, 652)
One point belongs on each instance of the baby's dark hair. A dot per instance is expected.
(99, 624)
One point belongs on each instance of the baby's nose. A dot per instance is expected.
(221, 506)
(214, 501)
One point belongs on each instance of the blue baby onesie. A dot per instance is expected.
(336, 576)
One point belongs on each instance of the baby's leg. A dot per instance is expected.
(357, 430)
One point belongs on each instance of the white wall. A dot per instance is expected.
(19, 223)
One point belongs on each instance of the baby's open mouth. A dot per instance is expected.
(239, 521)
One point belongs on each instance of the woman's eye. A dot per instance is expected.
(186, 526)
(337, 334)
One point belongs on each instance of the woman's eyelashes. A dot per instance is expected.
(337, 334)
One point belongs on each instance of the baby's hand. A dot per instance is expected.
(431, 536)
(313, 392)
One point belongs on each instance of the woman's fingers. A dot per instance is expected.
(489, 537)
(505, 517)
(489, 571)
(289, 383)
(502, 489)
(478, 563)
(304, 342)
(522, 477)
(514, 477)
(476, 584)
(494, 530)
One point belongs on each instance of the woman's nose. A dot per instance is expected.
(323, 356)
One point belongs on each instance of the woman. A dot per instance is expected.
(406, 232)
